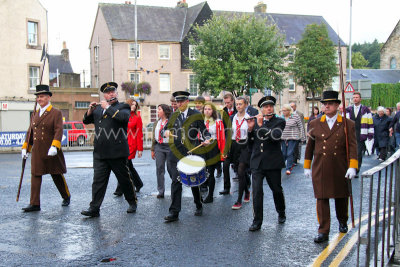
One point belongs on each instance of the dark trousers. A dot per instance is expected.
(36, 183)
(274, 181)
(324, 215)
(296, 152)
(102, 170)
(227, 176)
(243, 180)
(382, 152)
(137, 182)
(176, 187)
(211, 178)
(218, 167)
(360, 152)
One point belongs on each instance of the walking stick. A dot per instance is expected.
(350, 188)
(43, 57)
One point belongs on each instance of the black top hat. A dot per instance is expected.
(110, 86)
(43, 89)
(181, 95)
(328, 96)
(266, 100)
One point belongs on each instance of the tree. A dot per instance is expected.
(370, 51)
(314, 62)
(358, 61)
(237, 53)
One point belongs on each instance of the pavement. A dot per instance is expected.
(61, 236)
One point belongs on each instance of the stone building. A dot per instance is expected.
(390, 51)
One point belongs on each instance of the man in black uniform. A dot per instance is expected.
(266, 159)
(185, 124)
(111, 149)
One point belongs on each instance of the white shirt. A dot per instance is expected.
(212, 128)
(243, 128)
(43, 109)
(157, 131)
(331, 121)
(356, 110)
(184, 113)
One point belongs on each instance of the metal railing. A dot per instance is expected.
(84, 141)
(380, 233)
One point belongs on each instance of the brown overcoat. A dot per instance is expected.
(328, 147)
(46, 131)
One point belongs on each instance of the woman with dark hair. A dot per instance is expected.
(160, 148)
(216, 128)
(135, 142)
(313, 116)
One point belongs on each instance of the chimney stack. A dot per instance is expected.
(65, 52)
(182, 3)
(260, 8)
(127, 2)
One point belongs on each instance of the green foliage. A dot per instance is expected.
(383, 94)
(315, 59)
(238, 53)
(370, 51)
(358, 61)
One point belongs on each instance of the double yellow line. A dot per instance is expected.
(347, 247)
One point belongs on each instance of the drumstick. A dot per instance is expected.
(190, 151)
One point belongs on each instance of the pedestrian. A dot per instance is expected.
(199, 103)
(313, 116)
(292, 135)
(216, 154)
(111, 149)
(185, 124)
(266, 159)
(174, 106)
(326, 147)
(364, 124)
(395, 127)
(381, 133)
(45, 131)
(135, 142)
(297, 149)
(392, 141)
(160, 148)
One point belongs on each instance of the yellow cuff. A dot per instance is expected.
(56, 143)
(307, 164)
(27, 147)
(353, 163)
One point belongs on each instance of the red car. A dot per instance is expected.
(76, 132)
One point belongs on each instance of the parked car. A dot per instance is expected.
(76, 132)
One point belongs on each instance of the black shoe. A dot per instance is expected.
(118, 193)
(91, 212)
(132, 208)
(138, 189)
(171, 218)
(321, 238)
(66, 202)
(209, 199)
(30, 208)
(198, 212)
(343, 228)
(224, 192)
(282, 217)
(255, 227)
(160, 196)
(219, 174)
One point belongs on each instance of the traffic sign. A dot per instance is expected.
(349, 88)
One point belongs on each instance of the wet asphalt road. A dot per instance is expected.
(61, 236)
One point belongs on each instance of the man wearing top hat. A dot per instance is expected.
(266, 159)
(185, 124)
(46, 132)
(327, 144)
(111, 149)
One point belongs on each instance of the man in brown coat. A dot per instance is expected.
(327, 143)
(46, 132)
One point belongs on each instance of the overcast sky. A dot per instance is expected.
(72, 20)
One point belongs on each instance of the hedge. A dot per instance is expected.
(383, 94)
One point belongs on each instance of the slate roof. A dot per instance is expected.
(172, 23)
(375, 75)
(58, 62)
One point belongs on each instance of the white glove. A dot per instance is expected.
(24, 154)
(307, 173)
(351, 173)
(52, 151)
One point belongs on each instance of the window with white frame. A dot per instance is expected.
(32, 33)
(163, 51)
(165, 82)
(82, 104)
(192, 55)
(193, 86)
(335, 83)
(134, 77)
(132, 50)
(33, 77)
(96, 54)
(292, 85)
(153, 114)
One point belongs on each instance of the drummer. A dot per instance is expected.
(183, 126)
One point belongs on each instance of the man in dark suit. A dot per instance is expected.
(185, 124)
(266, 159)
(111, 148)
